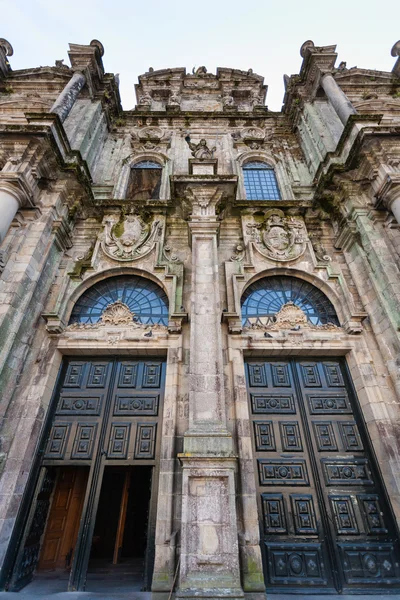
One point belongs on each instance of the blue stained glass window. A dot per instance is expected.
(265, 298)
(146, 300)
(260, 182)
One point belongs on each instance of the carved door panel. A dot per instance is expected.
(106, 412)
(80, 408)
(135, 404)
(320, 503)
(63, 522)
(291, 522)
(360, 522)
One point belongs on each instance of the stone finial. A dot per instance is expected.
(395, 51)
(307, 45)
(98, 45)
(286, 80)
(5, 50)
(6, 46)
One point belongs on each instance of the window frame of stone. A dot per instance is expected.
(268, 185)
(122, 186)
(72, 296)
(130, 289)
(281, 175)
(138, 173)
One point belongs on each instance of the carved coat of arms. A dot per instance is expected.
(129, 238)
(279, 237)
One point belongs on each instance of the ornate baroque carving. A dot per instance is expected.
(289, 316)
(201, 151)
(278, 237)
(129, 238)
(117, 314)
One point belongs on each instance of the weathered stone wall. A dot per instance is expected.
(338, 183)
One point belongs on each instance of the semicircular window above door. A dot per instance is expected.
(266, 297)
(145, 299)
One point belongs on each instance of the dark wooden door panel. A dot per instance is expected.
(111, 407)
(106, 412)
(63, 521)
(324, 519)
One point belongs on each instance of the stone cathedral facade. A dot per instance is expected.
(199, 327)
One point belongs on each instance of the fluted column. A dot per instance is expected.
(65, 101)
(337, 98)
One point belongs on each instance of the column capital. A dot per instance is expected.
(203, 200)
(17, 185)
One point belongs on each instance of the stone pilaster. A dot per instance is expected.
(209, 551)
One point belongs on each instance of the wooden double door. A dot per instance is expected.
(103, 426)
(325, 521)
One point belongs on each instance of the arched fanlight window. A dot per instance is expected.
(146, 300)
(260, 182)
(265, 298)
(144, 181)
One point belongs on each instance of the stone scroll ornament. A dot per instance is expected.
(129, 238)
(279, 237)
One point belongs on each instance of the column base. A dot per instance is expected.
(233, 593)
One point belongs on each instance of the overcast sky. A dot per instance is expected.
(263, 34)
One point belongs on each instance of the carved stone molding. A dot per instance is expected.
(278, 237)
(319, 249)
(129, 237)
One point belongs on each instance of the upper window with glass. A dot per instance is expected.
(260, 182)
(145, 181)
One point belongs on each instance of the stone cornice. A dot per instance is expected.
(48, 126)
(357, 130)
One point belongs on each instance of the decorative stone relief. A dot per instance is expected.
(174, 100)
(238, 254)
(201, 151)
(289, 316)
(319, 249)
(228, 100)
(279, 237)
(117, 314)
(145, 99)
(129, 238)
(154, 134)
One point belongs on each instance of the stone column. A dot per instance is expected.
(65, 101)
(209, 539)
(337, 98)
(14, 193)
(395, 208)
(9, 205)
